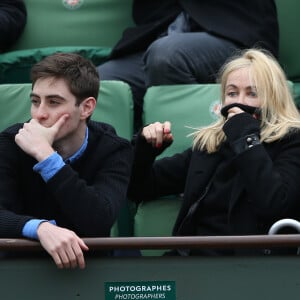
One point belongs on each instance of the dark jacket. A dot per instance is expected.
(13, 18)
(247, 23)
(265, 186)
(85, 196)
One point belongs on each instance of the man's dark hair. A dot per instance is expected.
(79, 73)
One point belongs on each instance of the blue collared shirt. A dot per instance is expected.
(47, 169)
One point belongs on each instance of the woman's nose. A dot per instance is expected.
(241, 99)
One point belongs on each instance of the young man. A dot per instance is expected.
(62, 176)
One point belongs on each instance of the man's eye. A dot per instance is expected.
(34, 101)
(54, 102)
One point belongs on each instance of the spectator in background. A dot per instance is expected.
(242, 173)
(187, 41)
(62, 175)
(12, 22)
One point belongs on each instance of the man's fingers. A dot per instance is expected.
(78, 254)
(57, 260)
(60, 122)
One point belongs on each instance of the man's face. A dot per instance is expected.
(50, 99)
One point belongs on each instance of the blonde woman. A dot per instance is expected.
(242, 172)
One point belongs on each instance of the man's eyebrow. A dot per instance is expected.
(56, 96)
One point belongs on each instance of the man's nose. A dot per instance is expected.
(42, 112)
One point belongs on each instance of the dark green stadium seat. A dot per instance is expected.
(85, 23)
(16, 65)
(187, 107)
(289, 42)
(90, 27)
(15, 104)
(115, 106)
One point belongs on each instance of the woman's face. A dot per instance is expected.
(239, 88)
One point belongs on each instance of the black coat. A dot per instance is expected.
(265, 186)
(85, 196)
(247, 23)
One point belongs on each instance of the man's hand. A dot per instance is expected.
(65, 247)
(36, 140)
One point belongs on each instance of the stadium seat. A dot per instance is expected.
(115, 106)
(90, 27)
(15, 104)
(289, 44)
(16, 65)
(74, 23)
(187, 107)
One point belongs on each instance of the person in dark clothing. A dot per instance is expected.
(242, 172)
(13, 17)
(187, 41)
(62, 175)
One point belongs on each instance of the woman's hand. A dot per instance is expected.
(158, 134)
(233, 111)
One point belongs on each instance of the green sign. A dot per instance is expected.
(140, 290)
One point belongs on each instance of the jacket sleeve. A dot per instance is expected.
(13, 17)
(11, 222)
(151, 178)
(270, 174)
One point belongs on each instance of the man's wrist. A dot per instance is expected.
(44, 153)
(30, 228)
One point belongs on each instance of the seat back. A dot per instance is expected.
(87, 27)
(114, 106)
(187, 107)
(74, 23)
(289, 32)
(15, 104)
(15, 66)
(289, 43)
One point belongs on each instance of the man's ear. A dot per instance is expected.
(87, 107)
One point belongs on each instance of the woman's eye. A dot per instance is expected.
(253, 94)
(231, 94)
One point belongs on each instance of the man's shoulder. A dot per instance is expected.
(12, 130)
(106, 132)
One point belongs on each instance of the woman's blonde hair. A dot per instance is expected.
(279, 113)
